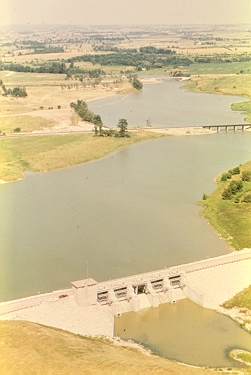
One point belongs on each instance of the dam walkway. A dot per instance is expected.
(206, 282)
(89, 307)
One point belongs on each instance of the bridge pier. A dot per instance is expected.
(226, 127)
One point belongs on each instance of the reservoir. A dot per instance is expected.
(131, 212)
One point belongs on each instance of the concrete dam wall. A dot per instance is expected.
(171, 284)
(208, 283)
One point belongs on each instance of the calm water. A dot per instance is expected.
(186, 333)
(167, 105)
(131, 212)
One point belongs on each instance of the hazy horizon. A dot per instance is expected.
(124, 12)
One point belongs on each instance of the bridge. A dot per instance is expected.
(227, 127)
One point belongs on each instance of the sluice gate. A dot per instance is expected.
(150, 289)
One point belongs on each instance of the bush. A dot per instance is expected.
(227, 194)
(226, 176)
(137, 84)
(247, 198)
(246, 176)
(232, 189)
(235, 186)
(17, 130)
(236, 170)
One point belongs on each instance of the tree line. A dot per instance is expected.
(53, 68)
(81, 108)
(19, 91)
(139, 60)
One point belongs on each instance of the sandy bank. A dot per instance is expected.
(182, 131)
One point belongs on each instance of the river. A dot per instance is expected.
(167, 104)
(131, 212)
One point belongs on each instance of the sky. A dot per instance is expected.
(124, 12)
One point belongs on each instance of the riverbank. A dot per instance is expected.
(231, 217)
(224, 84)
(65, 145)
(52, 351)
(43, 153)
(182, 131)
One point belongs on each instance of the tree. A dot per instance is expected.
(137, 84)
(122, 125)
(246, 176)
(98, 123)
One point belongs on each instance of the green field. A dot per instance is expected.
(218, 68)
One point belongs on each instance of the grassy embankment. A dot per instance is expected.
(232, 84)
(230, 217)
(242, 301)
(44, 153)
(232, 220)
(29, 348)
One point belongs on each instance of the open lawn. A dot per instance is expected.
(28, 348)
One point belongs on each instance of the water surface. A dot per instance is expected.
(131, 212)
(185, 332)
(166, 104)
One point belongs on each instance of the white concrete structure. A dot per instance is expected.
(89, 307)
(150, 289)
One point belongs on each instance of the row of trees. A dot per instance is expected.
(237, 186)
(53, 68)
(19, 91)
(138, 60)
(81, 108)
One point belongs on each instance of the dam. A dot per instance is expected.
(171, 284)
(90, 307)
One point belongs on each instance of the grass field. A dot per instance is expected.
(52, 90)
(232, 220)
(26, 123)
(218, 68)
(43, 153)
(31, 349)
